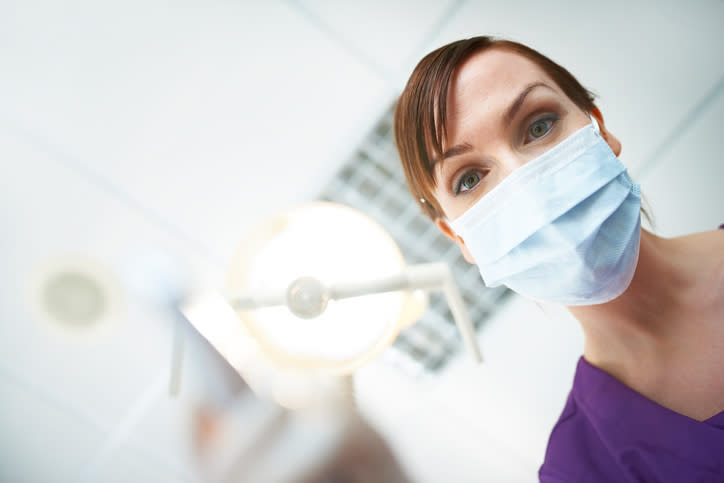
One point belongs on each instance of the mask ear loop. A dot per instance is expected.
(596, 129)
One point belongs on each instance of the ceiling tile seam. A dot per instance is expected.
(393, 81)
(53, 399)
(367, 61)
(443, 20)
(119, 435)
(81, 169)
(390, 78)
(679, 130)
(68, 407)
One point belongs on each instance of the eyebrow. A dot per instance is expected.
(510, 113)
(515, 106)
(457, 150)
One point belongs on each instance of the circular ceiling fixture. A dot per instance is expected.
(75, 294)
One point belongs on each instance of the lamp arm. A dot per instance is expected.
(257, 299)
(438, 276)
(346, 290)
(461, 316)
(427, 276)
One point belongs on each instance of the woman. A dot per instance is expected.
(509, 156)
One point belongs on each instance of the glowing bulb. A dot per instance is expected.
(332, 244)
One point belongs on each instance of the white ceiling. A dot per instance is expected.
(135, 126)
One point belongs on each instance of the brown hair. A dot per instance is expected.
(420, 115)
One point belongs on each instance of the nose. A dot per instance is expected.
(509, 161)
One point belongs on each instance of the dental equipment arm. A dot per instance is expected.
(307, 297)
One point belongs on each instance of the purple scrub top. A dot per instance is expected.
(610, 433)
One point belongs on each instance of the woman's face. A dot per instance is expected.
(503, 111)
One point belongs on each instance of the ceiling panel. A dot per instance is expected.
(40, 439)
(213, 114)
(53, 216)
(128, 464)
(385, 35)
(684, 189)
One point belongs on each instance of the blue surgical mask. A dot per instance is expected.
(563, 228)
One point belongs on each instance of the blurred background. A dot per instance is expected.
(137, 127)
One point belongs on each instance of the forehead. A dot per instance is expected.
(490, 80)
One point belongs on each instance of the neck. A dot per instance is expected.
(641, 325)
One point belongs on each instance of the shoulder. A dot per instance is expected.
(580, 447)
(575, 450)
(608, 432)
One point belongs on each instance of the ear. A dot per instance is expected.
(444, 227)
(612, 140)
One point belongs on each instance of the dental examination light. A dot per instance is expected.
(313, 294)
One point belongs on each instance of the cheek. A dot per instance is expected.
(466, 254)
(454, 211)
(446, 204)
(454, 206)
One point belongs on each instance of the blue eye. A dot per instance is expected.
(468, 181)
(541, 127)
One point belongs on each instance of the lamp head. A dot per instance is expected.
(301, 252)
(295, 354)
